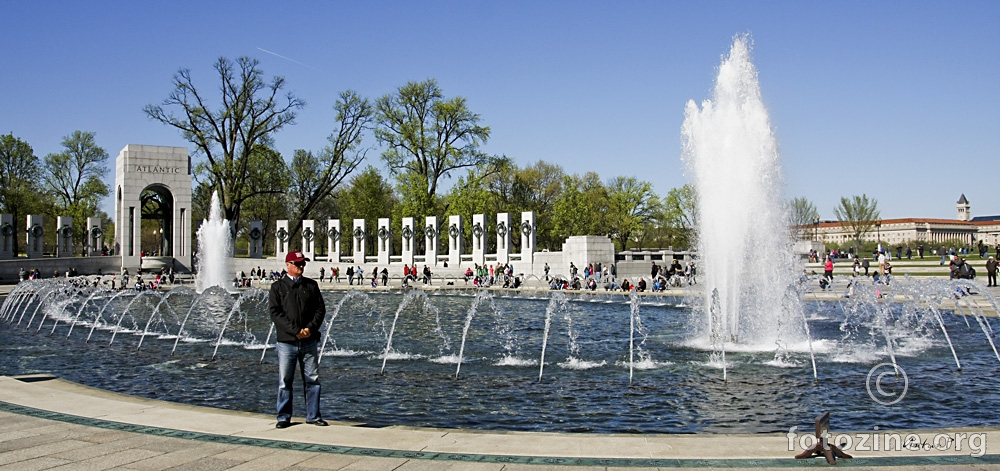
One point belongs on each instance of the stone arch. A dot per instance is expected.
(156, 203)
(154, 183)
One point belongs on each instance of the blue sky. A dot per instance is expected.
(897, 100)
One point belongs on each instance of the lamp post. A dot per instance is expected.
(878, 232)
(816, 228)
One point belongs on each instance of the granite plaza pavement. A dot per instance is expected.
(49, 423)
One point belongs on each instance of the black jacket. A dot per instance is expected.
(296, 306)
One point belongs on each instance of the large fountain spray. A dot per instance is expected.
(743, 244)
(215, 246)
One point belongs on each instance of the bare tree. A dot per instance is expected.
(316, 178)
(427, 137)
(251, 112)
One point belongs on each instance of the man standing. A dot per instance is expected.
(297, 311)
(991, 272)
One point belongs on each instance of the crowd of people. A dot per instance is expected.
(483, 276)
(959, 268)
(661, 277)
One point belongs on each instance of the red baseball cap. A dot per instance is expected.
(295, 256)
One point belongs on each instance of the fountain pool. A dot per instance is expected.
(216, 359)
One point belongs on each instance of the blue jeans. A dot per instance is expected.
(306, 354)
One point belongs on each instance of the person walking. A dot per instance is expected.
(991, 271)
(297, 311)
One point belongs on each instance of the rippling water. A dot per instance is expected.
(584, 388)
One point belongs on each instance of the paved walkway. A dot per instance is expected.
(54, 424)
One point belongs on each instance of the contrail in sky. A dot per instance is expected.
(285, 58)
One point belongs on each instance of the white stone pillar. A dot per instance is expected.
(333, 240)
(256, 249)
(433, 234)
(309, 239)
(281, 237)
(528, 233)
(384, 241)
(95, 237)
(34, 240)
(64, 236)
(359, 236)
(503, 238)
(479, 239)
(408, 240)
(455, 241)
(7, 237)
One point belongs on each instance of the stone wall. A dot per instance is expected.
(84, 266)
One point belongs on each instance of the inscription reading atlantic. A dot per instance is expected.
(154, 169)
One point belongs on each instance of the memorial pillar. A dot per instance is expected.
(64, 236)
(455, 240)
(34, 240)
(7, 237)
(407, 241)
(309, 239)
(479, 239)
(433, 234)
(333, 240)
(256, 249)
(503, 238)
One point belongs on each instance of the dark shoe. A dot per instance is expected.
(283, 424)
(319, 422)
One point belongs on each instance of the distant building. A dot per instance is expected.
(970, 230)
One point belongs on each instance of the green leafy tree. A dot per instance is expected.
(75, 177)
(251, 111)
(19, 174)
(537, 188)
(427, 137)
(858, 214)
(678, 217)
(582, 207)
(368, 197)
(471, 195)
(632, 204)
